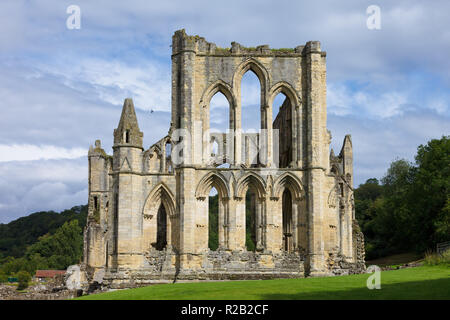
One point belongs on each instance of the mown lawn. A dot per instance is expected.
(414, 283)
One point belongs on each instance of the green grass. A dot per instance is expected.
(413, 283)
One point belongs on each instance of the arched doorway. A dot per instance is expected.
(161, 228)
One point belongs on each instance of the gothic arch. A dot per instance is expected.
(160, 194)
(154, 148)
(210, 180)
(332, 197)
(218, 86)
(288, 181)
(264, 80)
(250, 179)
(285, 88)
(257, 68)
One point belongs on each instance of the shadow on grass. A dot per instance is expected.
(438, 289)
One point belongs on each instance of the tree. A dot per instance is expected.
(24, 278)
(17, 235)
(431, 193)
(61, 249)
(3, 277)
(410, 209)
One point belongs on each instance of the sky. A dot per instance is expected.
(61, 89)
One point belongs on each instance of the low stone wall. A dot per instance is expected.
(161, 267)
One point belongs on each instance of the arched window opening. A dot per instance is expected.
(213, 220)
(168, 158)
(277, 104)
(161, 228)
(95, 203)
(283, 123)
(219, 109)
(334, 170)
(168, 149)
(250, 102)
(127, 136)
(250, 220)
(287, 220)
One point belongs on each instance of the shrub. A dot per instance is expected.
(3, 278)
(23, 278)
(433, 259)
(445, 257)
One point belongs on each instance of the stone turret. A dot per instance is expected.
(127, 169)
(128, 133)
(346, 155)
(94, 235)
(128, 140)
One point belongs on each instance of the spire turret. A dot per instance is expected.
(127, 133)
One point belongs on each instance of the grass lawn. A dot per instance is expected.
(412, 283)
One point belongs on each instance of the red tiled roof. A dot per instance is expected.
(48, 273)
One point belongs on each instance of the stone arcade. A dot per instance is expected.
(148, 214)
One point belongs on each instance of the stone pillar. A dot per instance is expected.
(239, 223)
(168, 230)
(341, 231)
(238, 128)
(231, 223)
(221, 222)
(163, 159)
(268, 140)
(294, 132)
(186, 206)
(316, 131)
(226, 223)
(294, 224)
(130, 220)
(273, 225)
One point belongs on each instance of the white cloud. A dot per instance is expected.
(30, 186)
(377, 142)
(147, 81)
(32, 152)
(62, 89)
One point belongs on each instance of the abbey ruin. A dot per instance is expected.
(280, 187)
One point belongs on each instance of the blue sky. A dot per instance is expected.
(61, 89)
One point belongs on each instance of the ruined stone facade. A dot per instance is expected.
(148, 208)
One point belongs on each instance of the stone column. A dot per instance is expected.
(221, 222)
(294, 132)
(268, 135)
(341, 231)
(168, 230)
(295, 207)
(316, 131)
(163, 158)
(237, 129)
(187, 208)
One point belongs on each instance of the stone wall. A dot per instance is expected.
(302, 207)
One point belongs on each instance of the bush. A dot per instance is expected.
(24, 278)
(3, 278)
(445, 257)
(434, 259)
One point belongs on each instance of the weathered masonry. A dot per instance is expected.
(291, 198)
